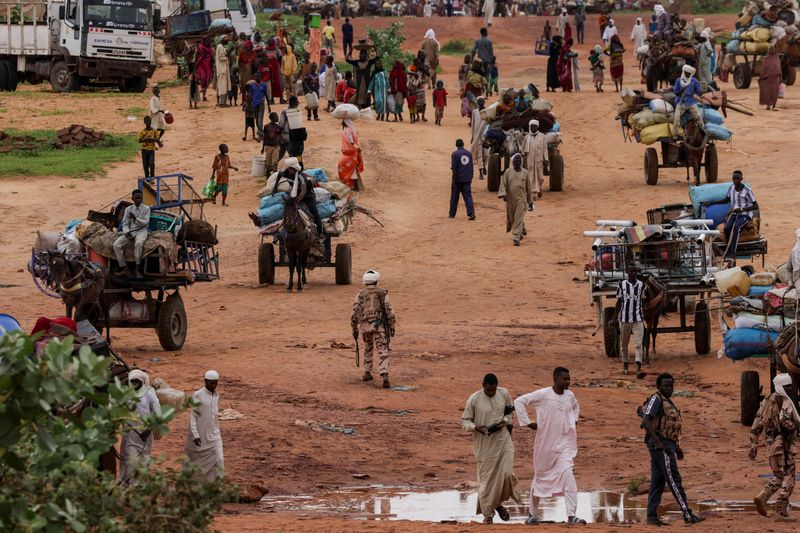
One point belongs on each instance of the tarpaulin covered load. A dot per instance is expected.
(772, 322)
(655, 133)
(709, 193)
(741, 343)
(718, 132)
(101, 240)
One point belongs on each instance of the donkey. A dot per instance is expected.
(653, 309)
(695, 140)
(79, 282)
(298, 236)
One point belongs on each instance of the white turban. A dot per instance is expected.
(293, 163)
(371, 277)
(782, 381)
(139, 375)
(533, 122)
(212, 375)
(705, 34)
(611, 22)
(639, 19)
(658, 8)
(689, 70)
(430, 34)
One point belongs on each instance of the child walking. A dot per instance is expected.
(220, 171)
(439, 101)
(249, 111)
(233, 93)
(493, 76)
(149, 138)
(271, 144)
(596, 61)
(194, 89)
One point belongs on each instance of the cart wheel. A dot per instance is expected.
(344, 264)
(750, 396)
(712, 164)
(557, 173)
(266, 264)
(702, 328)
(742, 76)
(651, 166)
(610, 333)
(788, 74)
(172, 325)
(493, 173)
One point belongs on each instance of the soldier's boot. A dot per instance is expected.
(761, 502)
(386, 384)
(782, 509)
(367, 376)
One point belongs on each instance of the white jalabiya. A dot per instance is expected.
(133, 447)
(638, 35)
(609, 32)
(536, 155)
(556, 443)
(204, 425)
(488, 11)
(223, 70)
(476, 145)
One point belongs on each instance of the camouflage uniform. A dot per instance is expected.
(775, 421)
(369, 309)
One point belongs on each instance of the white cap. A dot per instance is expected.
(293, 163)
(371, 277)
(533, 121)
(212, 375)
(688, 69)
(705, 34)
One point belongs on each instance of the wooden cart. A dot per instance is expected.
(749, 64)
(498, 160)
(268, 259)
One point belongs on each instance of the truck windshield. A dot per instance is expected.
(120, 14)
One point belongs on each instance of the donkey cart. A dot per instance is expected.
(674, 262)
(677, 154)
(268, 260)
(499, 159)
(748, 64)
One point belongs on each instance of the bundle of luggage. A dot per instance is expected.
(763, 24)
(335, 203)
(525, 106)
(710, 202)
(762, 305)
(650, 117)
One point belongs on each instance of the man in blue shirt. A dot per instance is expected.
(347, 38)
(686, 90)
(743, 203)
(259, 99)
(483, 47)
(463, 169)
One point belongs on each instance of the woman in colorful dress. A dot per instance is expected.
(615, 50)
(351, 161)
(398, 85)
(379, 89)
(203, 61)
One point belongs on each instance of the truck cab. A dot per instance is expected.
(242, 14)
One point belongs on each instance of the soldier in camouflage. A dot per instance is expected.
(374, 316)
(778, 420)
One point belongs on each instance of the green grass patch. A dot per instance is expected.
(69, 162)
(343, 66)
(2, 109)
(634, 484)
(84, 93)
(135, 110)
(55, 112)
(456, 47)
(174, 82)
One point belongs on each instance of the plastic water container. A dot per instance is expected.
(259, 166)
(732, 281)
(315, 21)
(295, 118)
(8, 324)
(488, 113)
(96, 258)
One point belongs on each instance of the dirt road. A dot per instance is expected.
(467, 301)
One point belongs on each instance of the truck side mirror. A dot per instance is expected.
(243, 7)
(62, 11)
(156, 17)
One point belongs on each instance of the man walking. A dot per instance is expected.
(556, 444)
(483, 48)
(135, 223)
(476, 141)
(630, 295)
(374, 316)
(580, 21)
(329, 37)
(462, 167)
(743, 203)
(662, 421)
(347, 38)
(778, 419)
(204, 442)
(488, 416)
(515, 189)
(138, 444)
(537, 156)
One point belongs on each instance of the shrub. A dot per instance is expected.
(388, 44)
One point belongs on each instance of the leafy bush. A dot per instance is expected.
(388, 44)
(49, 455)
(456, 47)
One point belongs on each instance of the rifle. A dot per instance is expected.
(358, 355)
(386, 328)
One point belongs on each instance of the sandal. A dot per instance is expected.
(574, 520)
(503, 513)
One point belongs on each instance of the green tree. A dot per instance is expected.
(49, 455)
(389, 44)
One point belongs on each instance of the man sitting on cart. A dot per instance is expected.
(135, 224)
(302, 189)
(687, 90)
(743, 203)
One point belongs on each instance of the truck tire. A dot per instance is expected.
(493, 173)
(266, 263)
(13, 77)
(172, 326)
(4, 78)
(742, 76)
(750, 396)
(136, 84)
(712, 164)
(344, 264)
(651, 166)
(557, 173)
(62, 80)
(702, 328)
(610, 333)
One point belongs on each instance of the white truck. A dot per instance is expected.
(77, 42)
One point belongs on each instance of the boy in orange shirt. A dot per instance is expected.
(221, 168)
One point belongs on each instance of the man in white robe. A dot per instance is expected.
(638, 35)
(137, 443)
(561, 22)
(610, 31)
(476, 141)
(556, 444)
(488, 417)
(488, 11)
(204, 442)
(223, 73)
(535, 156)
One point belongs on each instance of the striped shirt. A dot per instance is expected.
(741, 199)
(631, 296)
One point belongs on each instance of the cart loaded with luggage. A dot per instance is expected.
(505, 133)
(79, 265)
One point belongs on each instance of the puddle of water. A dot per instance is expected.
(378, 502)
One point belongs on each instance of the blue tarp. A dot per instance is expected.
(273, 199)
(741, 343)
(318, 174)
(719, 132)
(271, 214)
(326, 209)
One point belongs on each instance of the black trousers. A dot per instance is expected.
(347, 45)
(149, 163)
(311, 203)
(664, 471)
